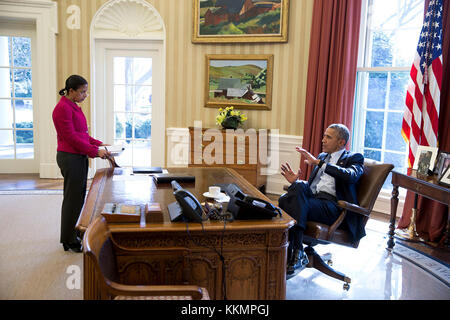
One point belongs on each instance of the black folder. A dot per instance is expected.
(168, 178)
(147, 170)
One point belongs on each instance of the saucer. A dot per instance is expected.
(220, 197)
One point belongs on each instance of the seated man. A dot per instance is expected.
(334, 178)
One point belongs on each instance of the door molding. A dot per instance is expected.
(43, 14)
(127, 24)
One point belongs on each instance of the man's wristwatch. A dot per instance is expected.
(321, 162)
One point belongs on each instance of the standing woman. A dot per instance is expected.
(74, 147)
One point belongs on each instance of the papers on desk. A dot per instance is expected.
(115, 150)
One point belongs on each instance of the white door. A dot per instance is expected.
(133, 112)
(18, 134)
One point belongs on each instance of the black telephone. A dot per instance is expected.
(245, 207)
(187, 206)
(255, 208)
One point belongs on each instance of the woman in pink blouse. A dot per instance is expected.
(74, 147)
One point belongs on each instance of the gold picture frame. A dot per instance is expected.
(240, 21)
(243, 81)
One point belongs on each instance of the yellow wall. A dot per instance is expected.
(185, 64)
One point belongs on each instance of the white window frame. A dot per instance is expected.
(359, 118)
(16, 30)
(43, 13)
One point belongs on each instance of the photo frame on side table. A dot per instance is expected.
(243, 81)
(443, 160)
(445, 179)
(425, 159)
(231, 21)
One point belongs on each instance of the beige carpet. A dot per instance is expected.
(33, 264)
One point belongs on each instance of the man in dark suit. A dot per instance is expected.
(334, 177)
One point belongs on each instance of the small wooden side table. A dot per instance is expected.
(427, 187)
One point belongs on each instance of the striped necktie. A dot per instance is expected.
(319, 174)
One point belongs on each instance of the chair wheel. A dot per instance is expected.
(346, 286)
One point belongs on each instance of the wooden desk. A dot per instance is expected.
(427, 187)
(254, 251)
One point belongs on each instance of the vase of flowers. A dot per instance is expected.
(229, 118)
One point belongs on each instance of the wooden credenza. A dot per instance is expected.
(244, 151)
(164, 252)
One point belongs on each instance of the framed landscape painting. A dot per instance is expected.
(242, 81)
(240, 21)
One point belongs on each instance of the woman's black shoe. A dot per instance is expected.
(75, 247)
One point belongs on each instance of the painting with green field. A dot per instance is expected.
(241, 80)
(240, 20)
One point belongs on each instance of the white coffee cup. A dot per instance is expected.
(214, 191)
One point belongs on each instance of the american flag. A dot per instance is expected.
(421, 116)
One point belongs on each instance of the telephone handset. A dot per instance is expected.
(191, 209)
(255, 208)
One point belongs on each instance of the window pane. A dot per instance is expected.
(397, 95)
(24, 136)
(123, 126)
(6, 114)
(142, 126)
(5, 83)
(22, 52)
(123, 98)
(374, 130)
(6, 144)
(143, 96)
(394, 27)
(381, 49)
(119, 126)
(5, 57)
(122, 70)
(372, 154)
(399, 161)
(394, 139)
(24, 114)
(25, 150)
(377, 90)
(392, 14)
(22, 83)
(405, 47)
(142, 71)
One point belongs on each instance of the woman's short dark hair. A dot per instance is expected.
(342, 131)
(73, 82)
